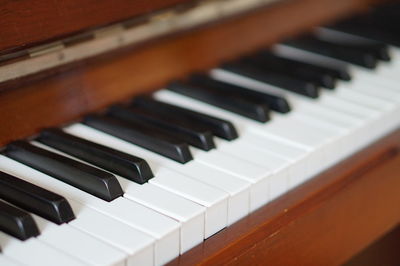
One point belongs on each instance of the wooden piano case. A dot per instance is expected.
(325, 221)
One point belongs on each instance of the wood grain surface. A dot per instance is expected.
(384, 251)
(30, 22)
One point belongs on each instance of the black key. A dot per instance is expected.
(128, 166)
(380, 25)
(378, 49)
(297, 69)
(35, 199)
(219, 127)
(275, 102)
(250, 109)
(16, 222)
(187, 132)
(85, 177)
(296, 85)
(354, 54)
(142, 135)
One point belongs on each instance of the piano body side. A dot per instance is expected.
(321, 222)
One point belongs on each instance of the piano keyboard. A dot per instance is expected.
(148, 180)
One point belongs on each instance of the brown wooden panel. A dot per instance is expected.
(93, 84)
(28, 22)
(384, 251)
(323, 222)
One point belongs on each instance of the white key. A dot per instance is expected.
(278, 128)
(78, 244)
(8, 262)
(188, 213)
(215, 200)
(327, 101)
(255, 174)
(363, 99)
(138, 246)
(245, 126)
(34, 252)
(238, 202)
(376, 91)
(164, 229)
(197, 222)
(280, 168)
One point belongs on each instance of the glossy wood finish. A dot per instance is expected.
(323, 222)
(29, 22)
(50, 99)
(384, 251)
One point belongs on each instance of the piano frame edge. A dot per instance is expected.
(324, 221)
(73, 90)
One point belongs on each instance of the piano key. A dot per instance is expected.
(138, 246)
(361, 55)
(241, 169)
(242, 125)
(366, 114)
(269, 61)
(221, 128)
(320, 106)
(148, 137)
(189, 214)
(215, 200)
(35, 199)
(244, 107)
(386, 77)
(366, 26)
(280, 168)
(332, 145)
(307, 138)
(187, 132)
(350, 108)
(363, 77)
(275, 79)
(378, 49)
(78, 244)
(254, 84)
(381, 93)
(93, 223)
(164, 229)
(364, 100)
(16, 222)
(300, 159)
(256, 174)
(92, 180)
(34, 252)
(276, 103)
(339, 71)
(238, 189)
(131, 167)
(357, 72)
(9, 262)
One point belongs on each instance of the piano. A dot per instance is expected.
(200, 132)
